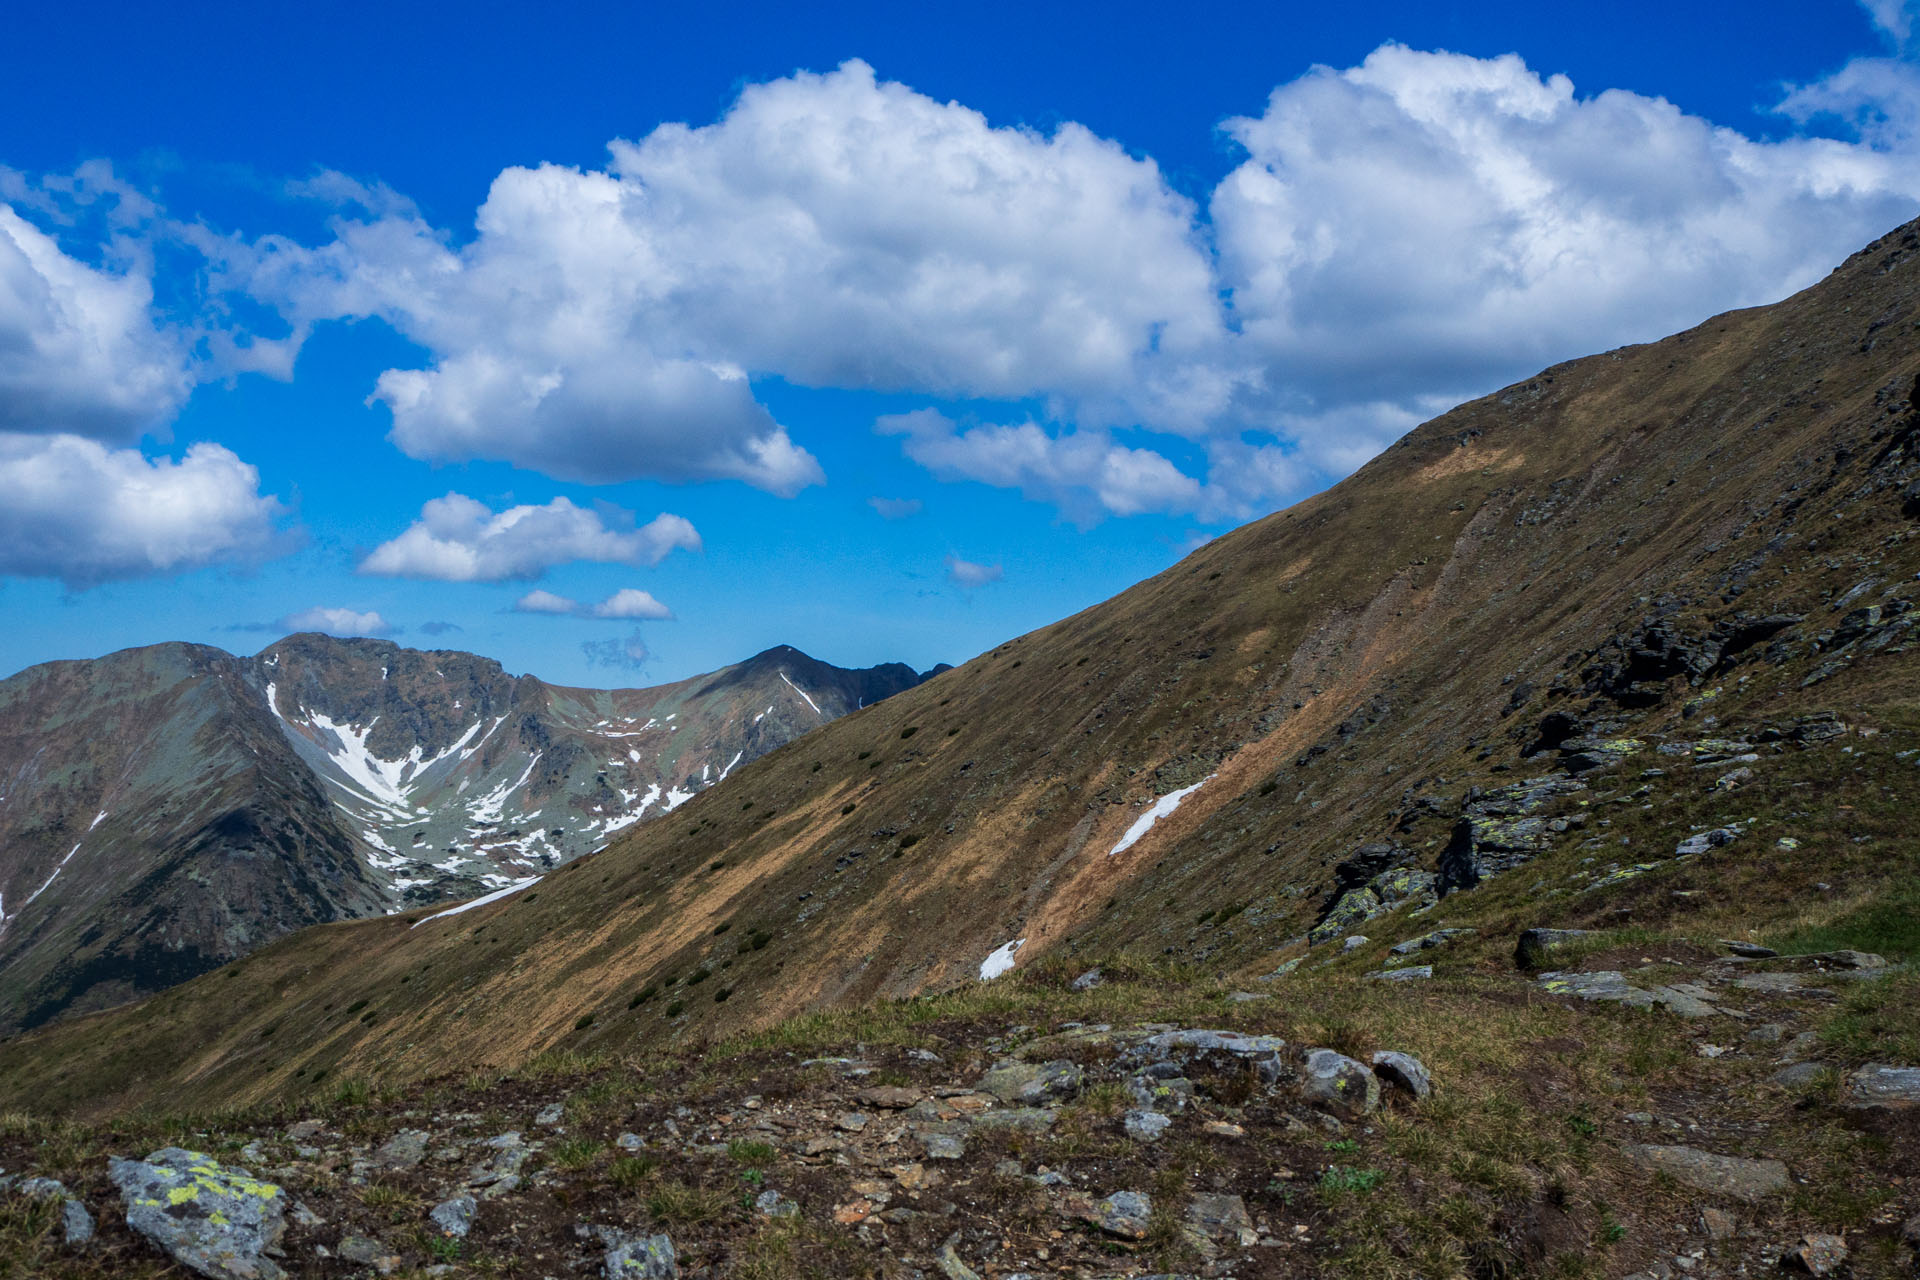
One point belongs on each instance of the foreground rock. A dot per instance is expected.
(631, 1257)
(1735, 1176)
(210, 1218)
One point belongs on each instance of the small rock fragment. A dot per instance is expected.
(951, 1267)
(1146, 1126)
(1222, 1218)
(1818, 1254)
(454, 1217)
(1124, 1214)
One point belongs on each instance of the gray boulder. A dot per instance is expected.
(210, 1218)
(1734, 1176)
(1538, 948)
(455, 1217)
(1878, 1084)
(1405, 1072)
(1145, 1126)
(1702, 842)
(76, 1224)
(1124, 1213)
(1336, 1083)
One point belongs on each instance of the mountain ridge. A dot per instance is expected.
(239, 797)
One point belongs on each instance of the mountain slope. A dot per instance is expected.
(119, 878)
(168, 809)
(1709, 531)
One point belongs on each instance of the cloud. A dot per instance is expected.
(626, 603)
(1088, 476)
(896, 508)
(437, 628)
(967, 575)
(458, 539)
(1397, 236)
(1894, 17)
(831, 230)
(630, 653)
(81, 351)
(72, 509)
(631, 602)
(335, 622)
(538, 601)
(1428, 226)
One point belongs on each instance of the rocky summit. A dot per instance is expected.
(1501, 864)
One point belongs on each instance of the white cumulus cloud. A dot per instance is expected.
(1396, 237)
(335, 622)
(81, 351)
(1427, 226)
(73, 509)
(459, 539)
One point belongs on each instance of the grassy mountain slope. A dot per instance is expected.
(1536, 569)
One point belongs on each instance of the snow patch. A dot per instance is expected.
(1000, 961)
(97, 819)
(481, 901)
(50, 879)
(803, 693)
(1165, 805)
(729, 769)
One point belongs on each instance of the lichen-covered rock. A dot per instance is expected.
(1407, 973)
(76, 1224)
(1818, 1254)
(1336, 1083)
(1355, 908)
(1428, 941)
(404, 1150)
(1538, 948)
(1029, 1084)
(771, 1204)
(208, 1217)
(1602, 984)
(631, 1257)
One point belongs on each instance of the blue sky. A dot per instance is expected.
(621, 342)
